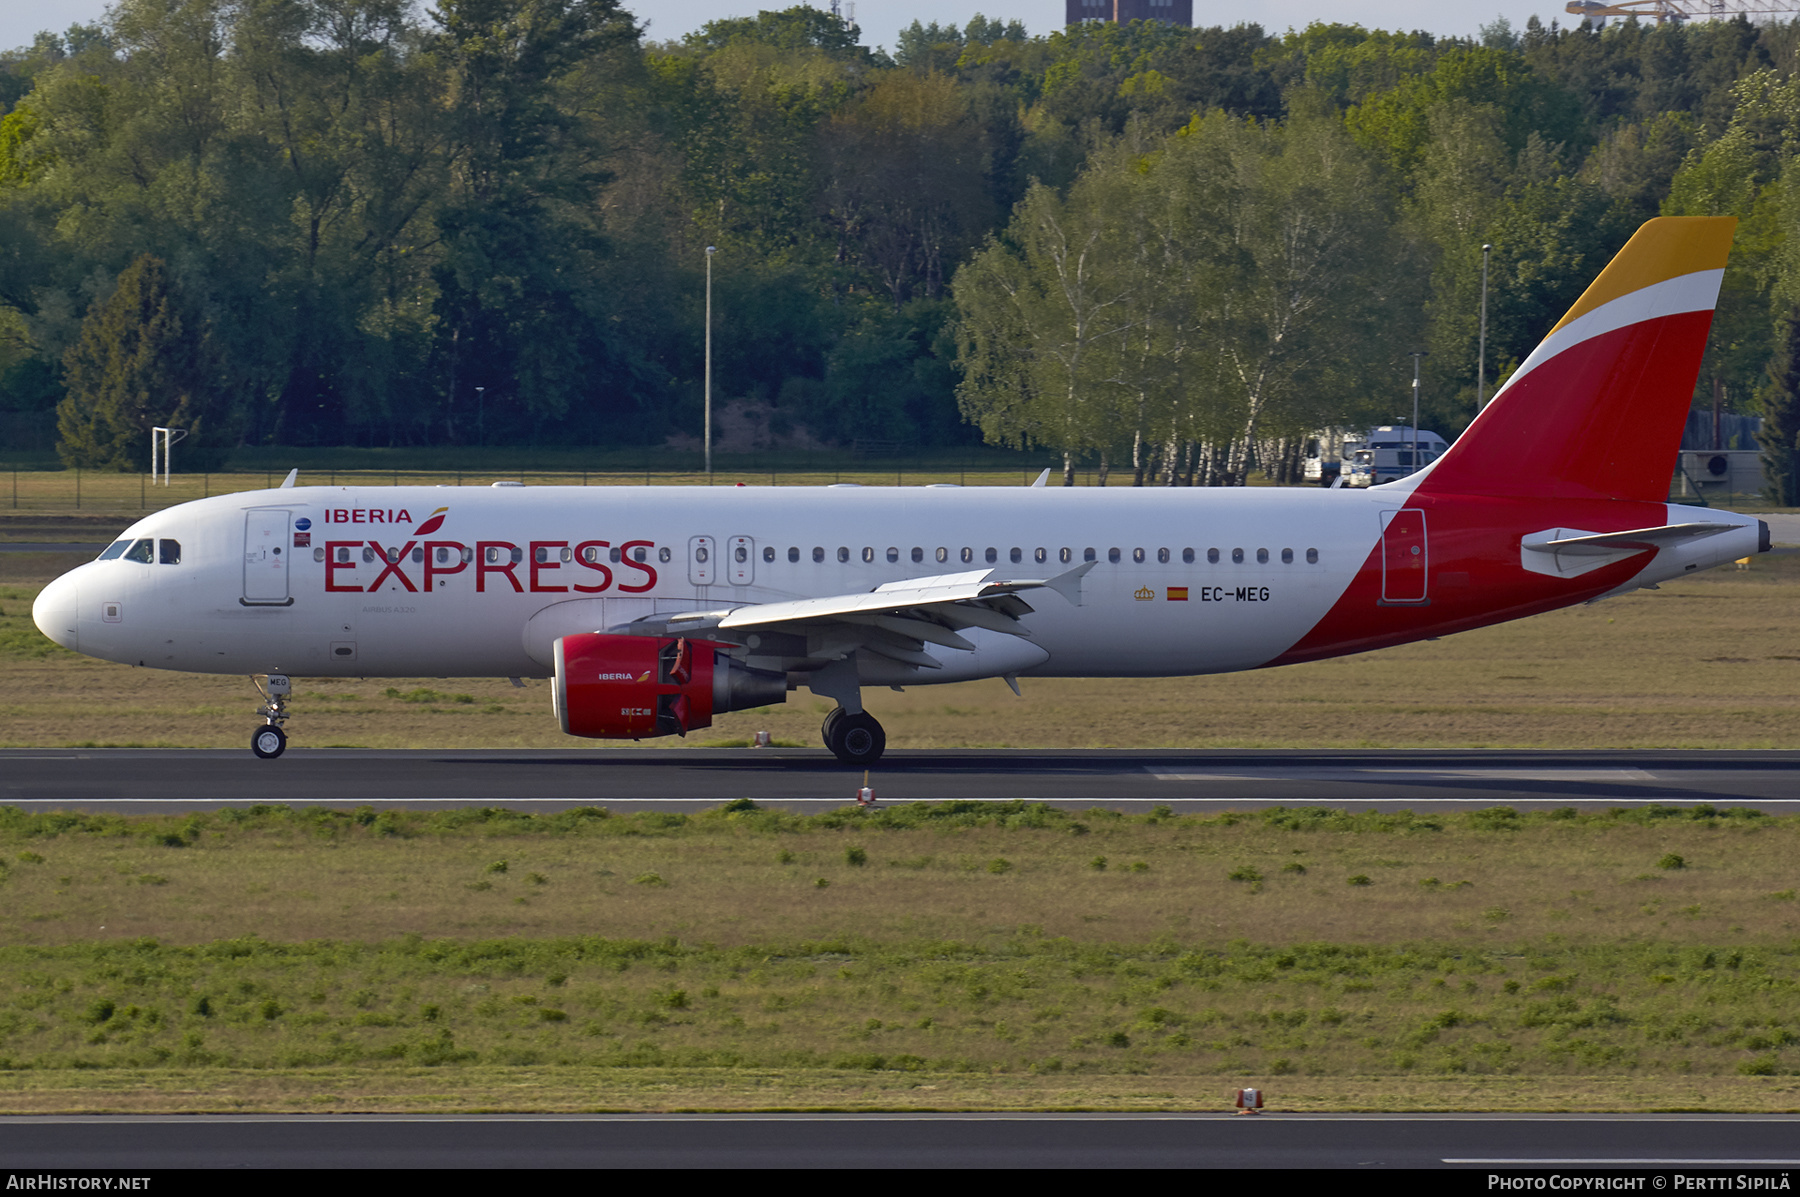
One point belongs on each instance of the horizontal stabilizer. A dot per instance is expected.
(1609, 543)
(1571, 552)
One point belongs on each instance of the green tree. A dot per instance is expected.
(906, 183)
(1298, 300)
(136, 366)
(519, 311)
(1044, 314)
(1779, 402)
(1741, 174)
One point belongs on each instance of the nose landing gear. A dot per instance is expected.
(270, 741)
(855, 738)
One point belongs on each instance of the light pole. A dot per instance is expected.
(1417, 356)
(481, 415)
(1481, 355)
(710, 250)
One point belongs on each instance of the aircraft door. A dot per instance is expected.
(266, 552)
(1405, 557)
(702, 561)
(743, 561)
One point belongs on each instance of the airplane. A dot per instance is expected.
(654, 609)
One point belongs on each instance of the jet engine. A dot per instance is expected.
(633, 687)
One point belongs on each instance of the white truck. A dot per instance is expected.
(1388, 455)
(1327, 452)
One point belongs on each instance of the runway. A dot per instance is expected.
(1515, 1144)
(145, 780)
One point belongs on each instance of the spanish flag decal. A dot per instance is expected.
(1178, 594)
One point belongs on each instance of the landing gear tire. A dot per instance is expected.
(854, 739)
(268, 742)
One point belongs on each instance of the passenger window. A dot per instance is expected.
(700, 555)
(1287, 556)
(818, 554)
(868, 555)
(1112, 555)
(1237, 556)
(636, 555)
(418, 556)
(1212, 556)
(742, 554)
(662, 555)
(1040, 556)
(1087, 554)
(115, 549)
(1137, 556)
(318, 554)
(893, 555)
(968, 555)
(569, 555)
(343, 556)
(1187, 556)
(1066, 556)
(369, 555)
(918, 554)
(1312, 556)
(589, 554)
(613, 556)
(943, 554)
(1262, 556)
(993, 555)
(793, 554)
(843, 554)
(1162, 556)
(1016, 556)
(768, 554)
(168, 552)
(542, 554)
(139, 552)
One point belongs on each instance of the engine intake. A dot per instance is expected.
(635, 687)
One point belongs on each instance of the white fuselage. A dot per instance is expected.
(1186, 581)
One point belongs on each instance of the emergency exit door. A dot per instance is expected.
(1405, 557)
(742, 563)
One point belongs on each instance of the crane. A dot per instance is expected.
(1681, 10)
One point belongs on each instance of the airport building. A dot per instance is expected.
(1169, 12)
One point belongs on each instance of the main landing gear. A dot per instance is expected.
(855, 739)
(270, 741)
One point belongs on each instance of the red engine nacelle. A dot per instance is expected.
(634, 687)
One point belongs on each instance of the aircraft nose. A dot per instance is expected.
(56, 610)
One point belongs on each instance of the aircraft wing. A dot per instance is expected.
(896, 620)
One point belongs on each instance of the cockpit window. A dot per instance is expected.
(140, 550)
(168, 552)
(115, 549)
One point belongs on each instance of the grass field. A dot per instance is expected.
(929, 956)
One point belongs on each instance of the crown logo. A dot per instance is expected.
(1144, 594)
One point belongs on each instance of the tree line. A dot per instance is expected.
(1163, 251)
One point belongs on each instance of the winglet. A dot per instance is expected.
(288, 482)
(1043, 479)
(1068, 583)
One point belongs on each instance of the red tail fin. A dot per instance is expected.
(1596, 411)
